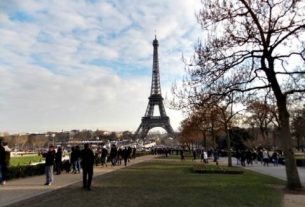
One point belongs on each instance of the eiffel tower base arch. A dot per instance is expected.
(150, 122)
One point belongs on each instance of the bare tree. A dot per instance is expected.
(224, 109)
(200, 121)
(263, 116)
(207, 119)
(189, 133)
(250, 46)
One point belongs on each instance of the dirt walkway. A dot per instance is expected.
(294, 200)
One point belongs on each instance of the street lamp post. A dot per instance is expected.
(53, 137)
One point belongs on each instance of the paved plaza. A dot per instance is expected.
(275, 171)
(25, 188)
(290, 200)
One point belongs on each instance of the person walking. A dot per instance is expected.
(265, 157)
(205, 156)
(260, 156)
(238, 156)
(2, 164)
(73, 159)
(275, 158)
(104, 156)
(119, 156)
(6, 162)
(125, 155)
(181, 154)
(194, 154)
(243, 158)
(77, 158)
(216, 156)
(249, 157)
(87, 162)
(49, 164)
(113, 155)
(58, 160)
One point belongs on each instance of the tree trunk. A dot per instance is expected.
(213, 135)
(228, 139)
(293, 180)
(204, 139)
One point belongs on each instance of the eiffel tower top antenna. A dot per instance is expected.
(155, 81)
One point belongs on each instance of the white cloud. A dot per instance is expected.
(47, 81)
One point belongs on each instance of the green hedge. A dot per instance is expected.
(216, 169)
(32, 170)
(300, 162)
(25, 171)
(25, 160)
(142, 153)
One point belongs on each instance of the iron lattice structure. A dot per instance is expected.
(150, 121)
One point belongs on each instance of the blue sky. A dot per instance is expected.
(86, 64)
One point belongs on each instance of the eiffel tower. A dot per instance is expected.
(150, 121)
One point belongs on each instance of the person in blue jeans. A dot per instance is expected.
(49, 165)
(77, 159)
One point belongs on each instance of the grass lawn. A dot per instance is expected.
(24, 160)
(167, 183)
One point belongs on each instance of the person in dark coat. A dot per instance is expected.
(129, 153)
(119, 156)
(125, 155)
(49, 164)
(73, 159)
(2, 164)
(181, 154)
(243, 158)
(58, 160)
(87, 162)
(113, 155)
(104, 156)
(6, 162)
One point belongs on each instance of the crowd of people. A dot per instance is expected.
(201, 153)
(116, 155)
(54, 159)
(261, 155)
(84, 160)
(243, 156)
(79, 160)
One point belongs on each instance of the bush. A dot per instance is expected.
(142, 153)
(216, 169)
(24, 171)
(300, 162)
